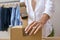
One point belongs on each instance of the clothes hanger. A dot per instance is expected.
(12, 4)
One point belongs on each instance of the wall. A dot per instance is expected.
(56, 18)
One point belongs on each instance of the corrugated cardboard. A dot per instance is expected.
(17, 33)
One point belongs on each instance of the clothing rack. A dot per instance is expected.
(9, 4)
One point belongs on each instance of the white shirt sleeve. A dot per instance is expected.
(26, 5)
(49, 7)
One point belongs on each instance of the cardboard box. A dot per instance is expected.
(17, 33)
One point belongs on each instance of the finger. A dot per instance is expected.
(33, 29)
(37, 29)
(28, 26)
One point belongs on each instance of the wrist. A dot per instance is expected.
(42, 23)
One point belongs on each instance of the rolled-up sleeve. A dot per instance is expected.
(49, 8)
(26, 5)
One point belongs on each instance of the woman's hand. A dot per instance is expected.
(33, 27)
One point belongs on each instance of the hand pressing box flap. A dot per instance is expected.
(17, 33)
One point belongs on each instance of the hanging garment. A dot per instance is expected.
(0, 20)
(9, 15)
(15, 16)
(5, 18)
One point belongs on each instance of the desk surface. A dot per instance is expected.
(49, 38)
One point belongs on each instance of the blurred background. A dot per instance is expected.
(55, 19)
